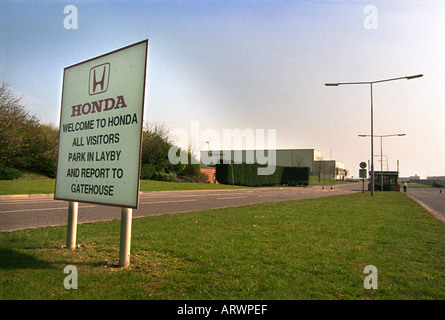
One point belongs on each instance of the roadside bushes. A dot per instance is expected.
(147, 171)
(7, 173)
(294, 176)
(25, 143)
(155, 164)
(247, 175)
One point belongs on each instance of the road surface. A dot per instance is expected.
(431, 199)
(22, 212)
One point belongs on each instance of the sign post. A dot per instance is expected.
(101, 133)
(363, 174)
(124, 250)
(72, 225)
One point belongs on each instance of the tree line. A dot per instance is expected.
(28, 145)
(25, 143)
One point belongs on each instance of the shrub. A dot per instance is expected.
(165, 176)
(147, 171)
(202, 178)
(7, 173)
(24, 142)
(296, 176)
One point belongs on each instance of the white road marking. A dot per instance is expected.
(228, 198)
(169, 201)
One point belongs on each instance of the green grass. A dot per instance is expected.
(307, 249)
(418, 185)
(314, 180)
(38, 184)
(33, 183)
(30, 183)
(153, 185)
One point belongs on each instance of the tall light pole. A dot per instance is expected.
(336, 84)
(381, 150)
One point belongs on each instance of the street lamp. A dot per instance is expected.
(381, 150)
(336, 84)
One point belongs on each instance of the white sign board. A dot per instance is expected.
(100, 128)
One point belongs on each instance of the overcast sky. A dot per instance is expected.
(255, 65)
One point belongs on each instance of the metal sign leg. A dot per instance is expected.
(125, 242)
(72, 225)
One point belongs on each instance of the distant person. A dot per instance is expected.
(405, 186)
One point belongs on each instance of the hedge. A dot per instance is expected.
(247, 175)
(7, 173)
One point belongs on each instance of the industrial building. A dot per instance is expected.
(282, 157)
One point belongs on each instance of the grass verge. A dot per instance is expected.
(37, 184)
(306, 249)
(30, 183)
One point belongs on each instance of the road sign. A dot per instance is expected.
(362, 173)
(101, 128)
(363, 165)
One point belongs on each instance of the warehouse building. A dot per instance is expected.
(282, 157)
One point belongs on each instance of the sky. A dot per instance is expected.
(255, 65)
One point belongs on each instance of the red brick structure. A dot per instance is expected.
(211, 173)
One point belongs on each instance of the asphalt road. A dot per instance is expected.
(23, 212)
(431, 199)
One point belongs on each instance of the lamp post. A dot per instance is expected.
(381, 150)
(336, 84)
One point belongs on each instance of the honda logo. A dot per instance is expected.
(99, 78)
